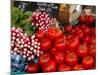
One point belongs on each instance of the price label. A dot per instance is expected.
(52, 8)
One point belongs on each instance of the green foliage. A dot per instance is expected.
(21, 19)
(27, 14)
(16, 16)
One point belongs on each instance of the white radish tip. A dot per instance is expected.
(25, 45)
(24, 56)
(25, 49)
(29, 58)
(15, 49)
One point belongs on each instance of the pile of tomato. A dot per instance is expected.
(73, 48)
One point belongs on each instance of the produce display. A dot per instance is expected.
(42, 44)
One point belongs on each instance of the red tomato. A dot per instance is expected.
(83, 26)
(71, 58)
(86, 38)
(45, 44)
(89, 20)
(40, 34)
(77, 31)
(80, 33)
(78, 67)
(53, 50)
(82, 50)
(63, 37)
(92, 50)
(77, 28)
(93, 32)
(94, 67)
(86, 31)
(49, 66)
(60, 44)
(59, 57)
(67, 51)
(88, 62)
(44, 58)
(54, 33)
(64, 67)
(81, 19)
(68, 37)
(84, 43)
(68, 28)
(73, 44)
(92, 40)
(32, 68)
(73, 30)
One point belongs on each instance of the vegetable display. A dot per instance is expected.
(47, 46)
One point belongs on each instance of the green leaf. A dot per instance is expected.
(27, 14)
(16, 16)
(21, 19)
(29, 32)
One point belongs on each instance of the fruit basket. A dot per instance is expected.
(51, 37)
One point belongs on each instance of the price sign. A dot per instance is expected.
(52, 8)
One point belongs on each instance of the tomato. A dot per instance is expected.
(78, 67)
(40, 34)
(64, 67)
(75, 37)
(53, 50)
(84, 43)
(92, 50)
(86, 38)
(54, 33)
(67, 51)
(68, 28)
(88, 62)
(83, 26)
(92, 40)
(44, 58)
(94, 67)
(73, 30)
(49, 66)
(93, 32)
(45, 44)
(80, 33)
(63, 37)
(81, 19)
(89, 19)
(71, 58)
(82, 50)
(60, 44)
(32, 68)
(77, 28)
(68, 37)
(73, 44)
(59, 57)
(86, 31)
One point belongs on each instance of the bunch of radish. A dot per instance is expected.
(42, 20)
(23, 44)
